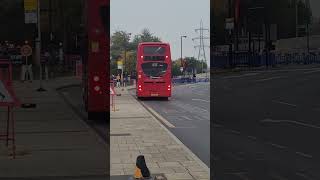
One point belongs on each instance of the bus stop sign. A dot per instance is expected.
(26, 50)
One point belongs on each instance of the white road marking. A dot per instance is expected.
(252, 137)
(277, 145)
(288, 70)
(217, 125)
(280, 102)
(304, 154)
(243, 75)
(291, 122)
(200, 100)
(242, 176)
(268, 79)
(187, 118)
(234, 131)
(276, 176)
(309, 72)
(304, 176)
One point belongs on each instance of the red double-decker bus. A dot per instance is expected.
(153, 70)
(96, 58)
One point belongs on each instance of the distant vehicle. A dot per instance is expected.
(95, 59)
(153, 70)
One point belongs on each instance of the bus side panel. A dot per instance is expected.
(98, 54)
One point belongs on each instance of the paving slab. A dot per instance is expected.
(52, 141)
(134, 131)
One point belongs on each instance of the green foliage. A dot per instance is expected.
(120, 43)
(192, 66)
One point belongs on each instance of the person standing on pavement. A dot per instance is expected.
(26, 68)
(118, 80)
(45, 63)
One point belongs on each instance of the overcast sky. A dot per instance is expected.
(167, 19)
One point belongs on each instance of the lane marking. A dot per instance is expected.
(268, 79)
(290, 122)
(304, 154)
(242, 175)
(217, 125)
(187, 118)
(243, 75)
(276, 176)
(166, 122)
(252, 137)
(289, 70)
(201, 100)
(309, 72)
(304, 176)
(234, 131)
(277, 145)
(281, 102)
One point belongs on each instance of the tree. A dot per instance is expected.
(193, 66)
(119, 41)
(144, 36)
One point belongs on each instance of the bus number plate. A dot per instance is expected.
(154, 94)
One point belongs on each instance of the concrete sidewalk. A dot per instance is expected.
(52, 141)
(134, 131)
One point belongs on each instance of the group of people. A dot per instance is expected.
(50, 57)
(121, 80)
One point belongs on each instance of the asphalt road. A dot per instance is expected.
(188, 110)
(266, 124)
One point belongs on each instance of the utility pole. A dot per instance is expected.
(183, 70)
(38, 46)
(201, 46)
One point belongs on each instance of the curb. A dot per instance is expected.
(196, 159)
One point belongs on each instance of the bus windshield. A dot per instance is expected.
(154, 50)
(154, 69)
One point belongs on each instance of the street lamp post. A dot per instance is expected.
(124, 60)
(38, 46)
(181, 52)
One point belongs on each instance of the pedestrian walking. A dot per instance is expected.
(118, 80)
(124, 80)
(45, 64)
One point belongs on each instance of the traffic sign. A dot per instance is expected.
(30, 11)
(181, 69)
(229, 23)
(26, 50)
(30, 5)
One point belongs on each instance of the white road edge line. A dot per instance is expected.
(200, 100)
(292, 122)
(166, 122)
(280, 102)
(267, 79)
